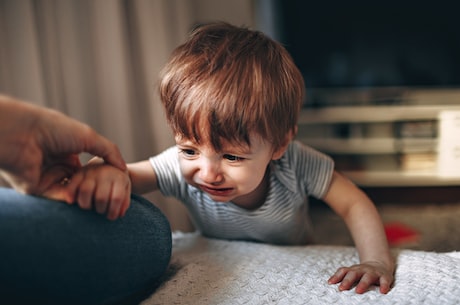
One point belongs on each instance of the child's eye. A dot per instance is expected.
(233, 158)
(188, 152)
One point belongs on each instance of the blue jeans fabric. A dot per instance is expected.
(53, 253)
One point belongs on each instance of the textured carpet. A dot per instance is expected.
(209, 271)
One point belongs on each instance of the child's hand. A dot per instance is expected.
(365, 274)
(103, 187)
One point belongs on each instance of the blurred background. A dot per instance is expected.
(395, 63)
(98, 61)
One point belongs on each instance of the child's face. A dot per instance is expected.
(235, 174)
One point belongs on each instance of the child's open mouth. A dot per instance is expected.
(216, 191)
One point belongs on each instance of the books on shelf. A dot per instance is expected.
(389, 145)
(418, 161)
(417, 145)
(417, 129)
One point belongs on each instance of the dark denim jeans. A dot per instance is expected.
(53, 253)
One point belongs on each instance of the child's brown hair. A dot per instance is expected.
(227, 82)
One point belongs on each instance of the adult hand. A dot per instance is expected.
(34, 139)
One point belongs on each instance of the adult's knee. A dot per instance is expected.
(64, 255)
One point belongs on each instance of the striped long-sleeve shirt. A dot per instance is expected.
(282, 219)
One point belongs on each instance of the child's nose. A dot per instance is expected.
(210, 172)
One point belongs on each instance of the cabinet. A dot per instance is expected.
(375, 145)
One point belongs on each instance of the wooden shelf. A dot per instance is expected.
(366, 146)
(376, 150)
(371, 114)
(400, 178)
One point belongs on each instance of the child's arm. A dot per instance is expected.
(143, 177)
(360, 215)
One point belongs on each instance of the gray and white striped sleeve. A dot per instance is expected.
(167, 170)
(313, 168)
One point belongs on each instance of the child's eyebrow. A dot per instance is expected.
(237, 149)
(227, 147)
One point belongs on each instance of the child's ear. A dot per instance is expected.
(277, 154)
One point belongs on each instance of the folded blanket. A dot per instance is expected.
(210, 271)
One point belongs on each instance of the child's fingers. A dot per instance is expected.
(338, 275)
(385, 284)
(125, 207)
(52, 176)
(63, 189)
(127, 201)
(102, 197)
(366, 281)
(349, 280)
(120, 199)
(85, 193)
(58, 192)
(116, 202)
(363, 277)
(70, 186)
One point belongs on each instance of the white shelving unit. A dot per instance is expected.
(372, 114)
(369, 137)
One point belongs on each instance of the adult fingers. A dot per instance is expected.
(59, 134)
(100, 146)
(55, 171)
(23, 181)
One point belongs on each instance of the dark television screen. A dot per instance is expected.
(373, 43)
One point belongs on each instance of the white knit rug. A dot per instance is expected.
(209, 271)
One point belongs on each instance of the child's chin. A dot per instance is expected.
(222, 199)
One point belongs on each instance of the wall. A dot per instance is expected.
(98, 61)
